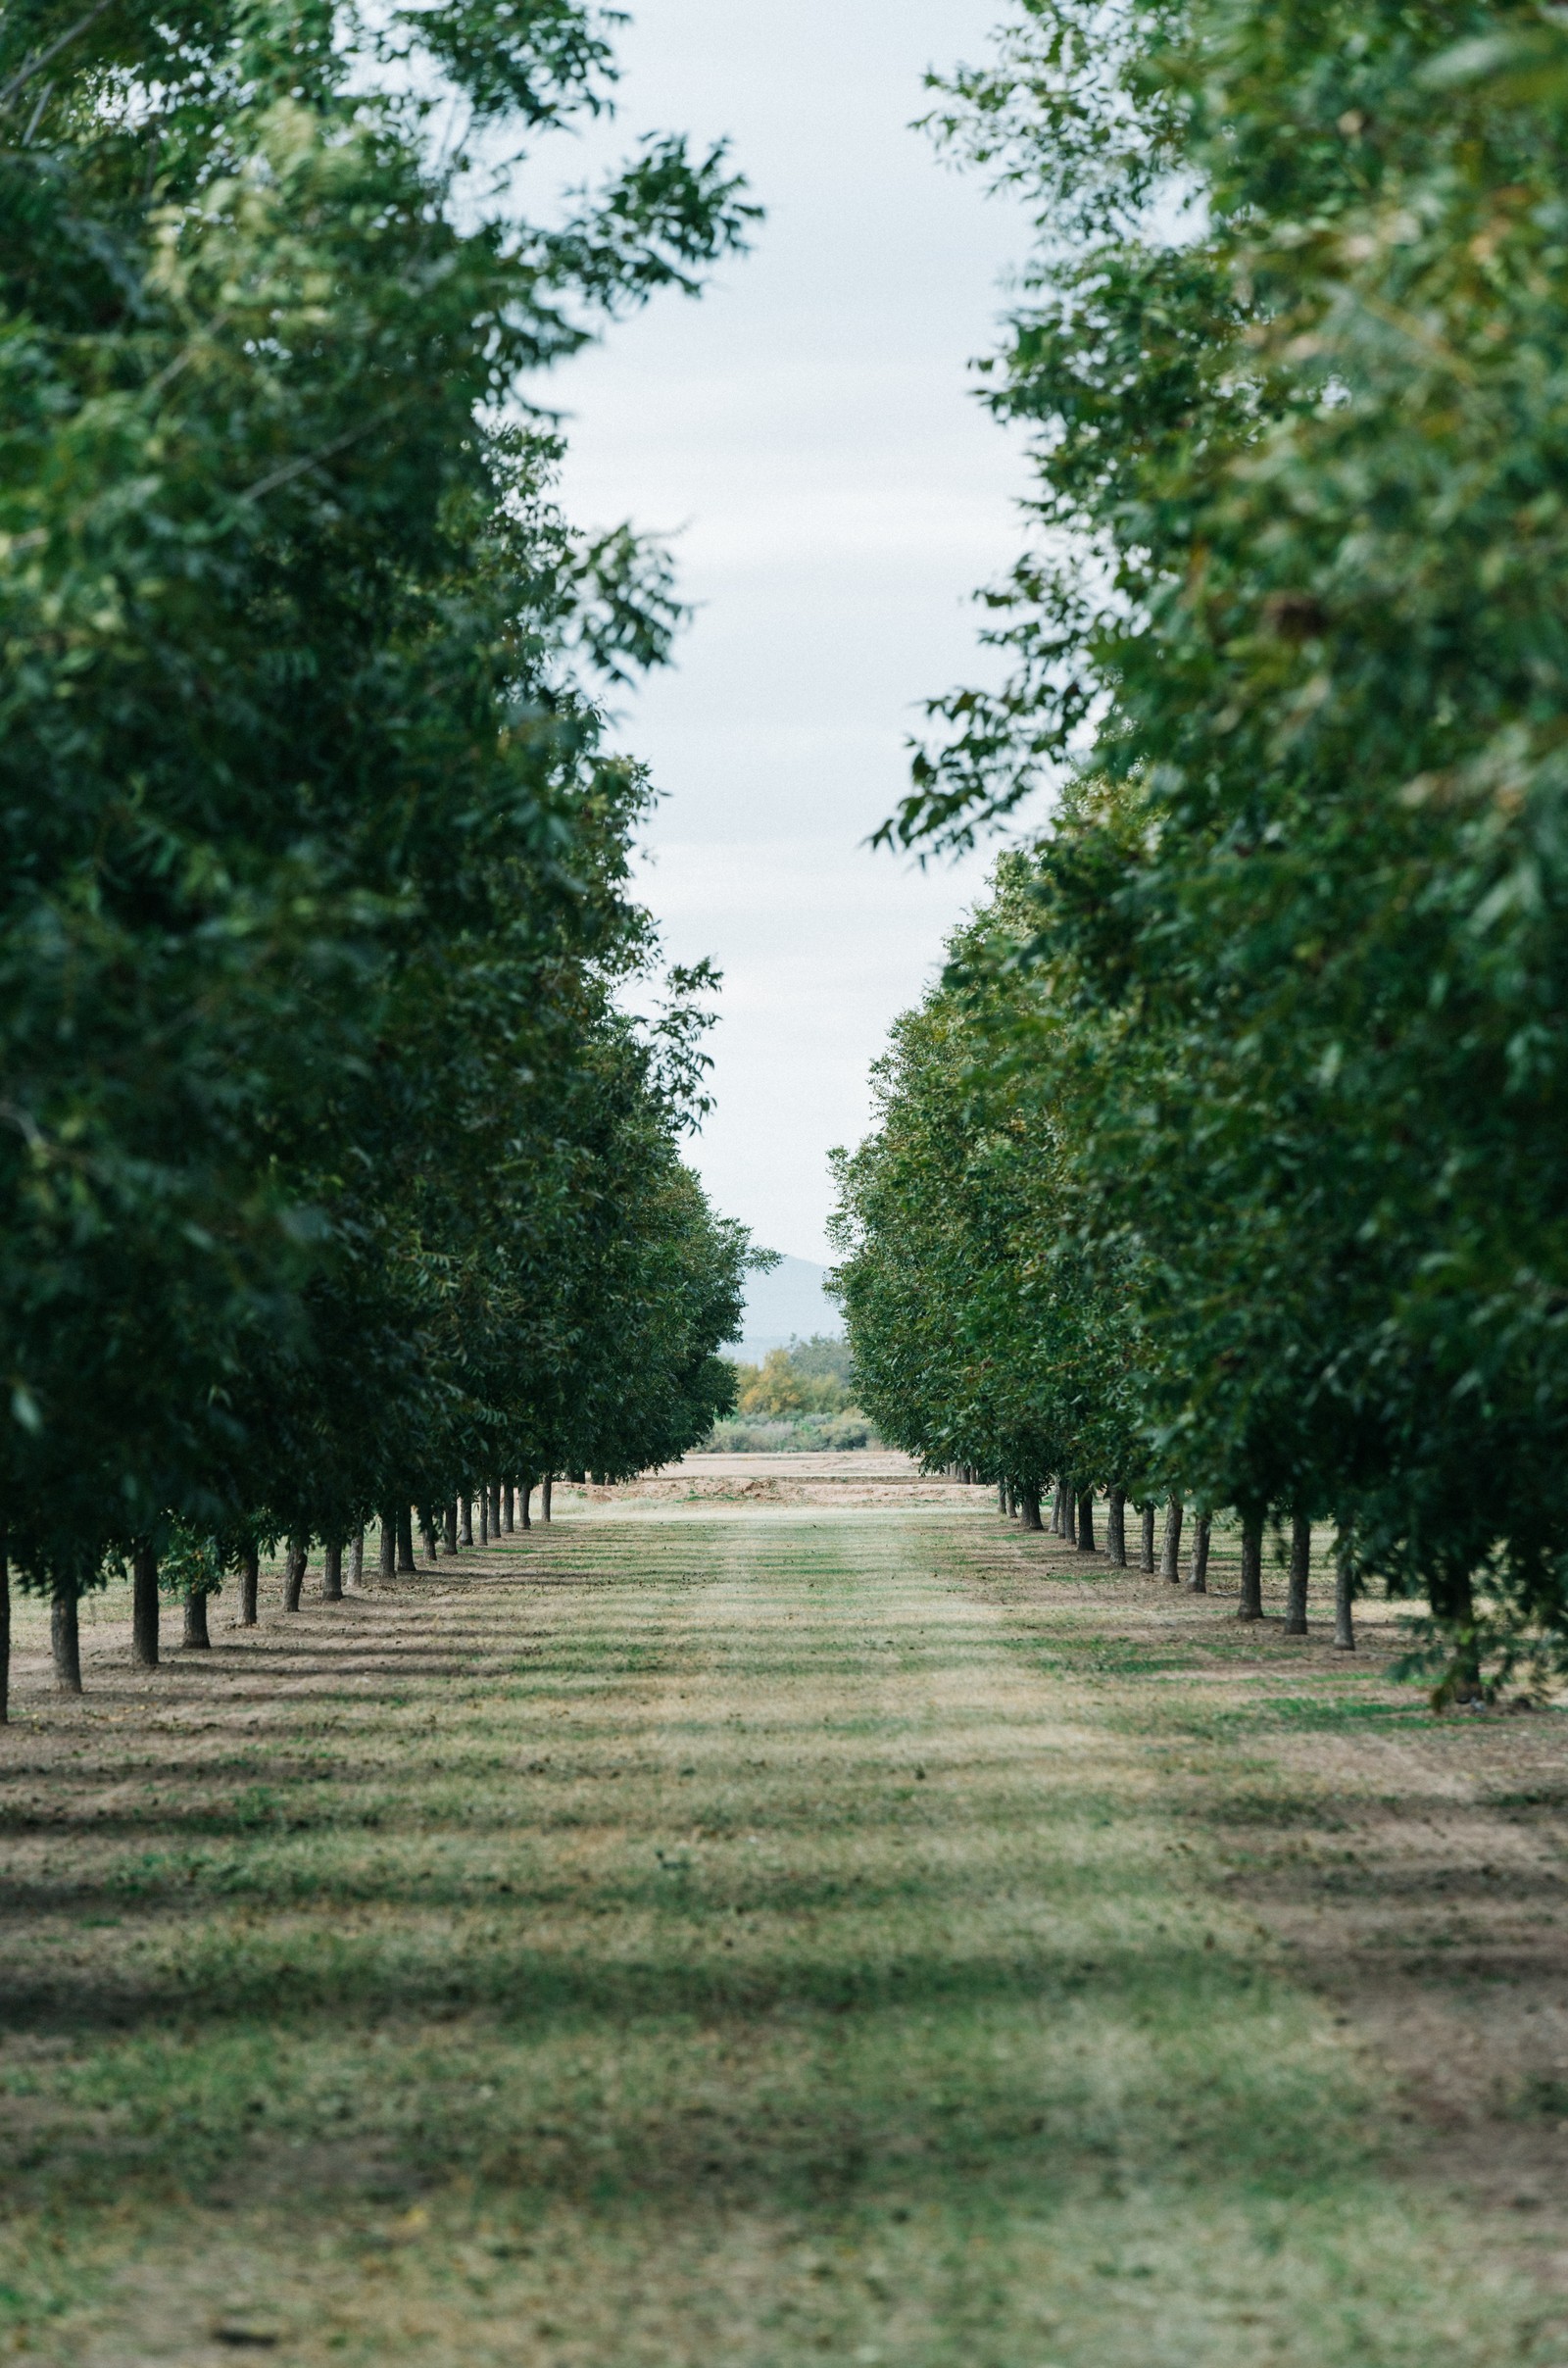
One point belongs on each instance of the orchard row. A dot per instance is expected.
(340, 1125)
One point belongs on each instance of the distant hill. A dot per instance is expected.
(790, 1303)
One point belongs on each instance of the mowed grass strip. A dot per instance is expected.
(752, 1940)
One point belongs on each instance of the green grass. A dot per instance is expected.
(733, 1942)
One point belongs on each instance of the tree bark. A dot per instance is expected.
(407, 1567)
(1301, 1567)
(294, 1569)
(1251, 1604)
(1345, 1590)
(196, 1638)
(507, 1508)
(250, 1587)
(1198, 1581)
(1029, 1500)
(526, 1502)
(144, 1609)
(484, 1516)
(1069, 1514)
(427, 1534)
(1002, 1495)
(4, 1634)
(64, 1641)
(1170, 1553)
(1086, 1522)
(449, 1526)
(1146, 1559)
(332, 1574)
(1057, 1514)
(495, 1511)
(389, 1544)
(467, 1525)
(357, 1558)
(546, 1491)
(1116, 1528)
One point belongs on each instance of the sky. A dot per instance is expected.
(809, 435)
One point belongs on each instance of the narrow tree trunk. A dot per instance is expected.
(1170, 1553)
(1002, 1495)
(484, 1516)
(144, 1609)
(250, 1587)
(1198, 1581)
(357, 1559)
(196, 1638)
(1116, 1528)
(546, 1491)
(64, 1641)
(467, 1528)
(1345, 1590)
(1086, 1521)
(495, 1511)
(1012, 1501)
(5, 1633)
(449, 1523)
(389, 1544)
(295, 1567)
(1058, 1517)
(1300, 1567)
(427, 1533)
(1251, 1604)
(1029, 1500)
(407, 1567)
(526, 1502)
(1069, 1514)
(506, 1507)
(1146, 1559)
(332, 1574)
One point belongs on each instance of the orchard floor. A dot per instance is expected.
(722, 1935)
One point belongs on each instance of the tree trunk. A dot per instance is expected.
(1002, 1495)
(1116, 1528)
(495, 1511)
(484, 1516)
(196, 1639)
(546, 1491)
(357, 1558)
(407, 1567)
(1146, 1559)
(332, 1574)
(294, 1569)
(1086, 1521)
(506, 1507)
(467, 1528)
(449, 1525)
(1170, 1553)
(1199, 1581)
(1069, 1514)
(64, 1641)
(389, 1544)
(1057, 1514)
(1029, 1500)
(1345, 1590)
(250, 1587)
(4, 1634)
(526, 1502)
(144, 1609)
(1251, 1605)
(427, 1533)
(1301, 1567)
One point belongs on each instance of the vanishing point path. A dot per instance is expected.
(736, 1937)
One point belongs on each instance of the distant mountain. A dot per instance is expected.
(790, 1303)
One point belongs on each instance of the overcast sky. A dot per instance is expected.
(811, 431)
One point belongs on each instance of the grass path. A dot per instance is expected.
(724, 1941)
